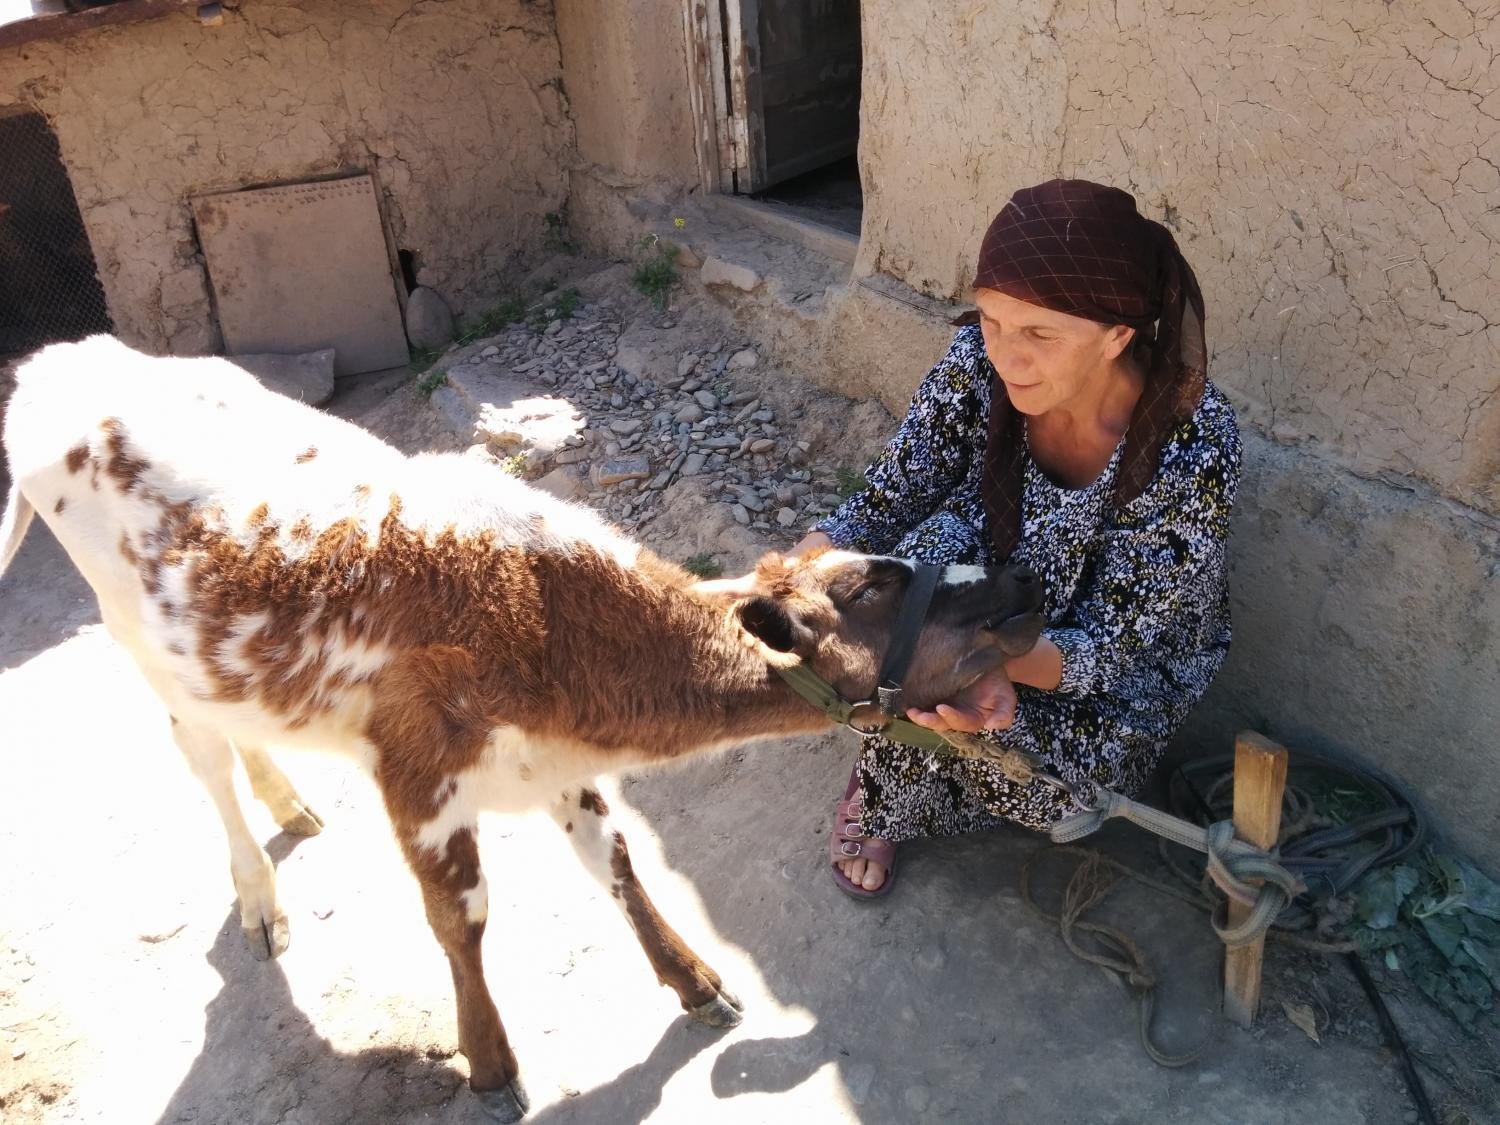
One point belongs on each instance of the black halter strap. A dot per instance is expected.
(904, 639)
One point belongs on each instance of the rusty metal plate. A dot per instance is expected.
(302, 267)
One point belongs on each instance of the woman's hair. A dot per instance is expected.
(1083, 249)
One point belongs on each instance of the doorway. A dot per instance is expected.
(777, 85)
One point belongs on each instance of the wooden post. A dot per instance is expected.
(1259, 779)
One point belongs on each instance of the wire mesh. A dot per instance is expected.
(49, 284)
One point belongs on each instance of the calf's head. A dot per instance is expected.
(838, 612)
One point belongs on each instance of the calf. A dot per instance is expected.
(283, 577)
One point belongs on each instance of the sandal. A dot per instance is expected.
(849, 841)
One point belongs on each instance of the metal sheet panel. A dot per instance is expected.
(302, 267)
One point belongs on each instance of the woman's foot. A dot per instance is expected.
(862, 865)
(865, 873)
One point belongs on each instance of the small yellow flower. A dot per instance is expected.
(679, 223)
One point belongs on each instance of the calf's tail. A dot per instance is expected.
(13, 524)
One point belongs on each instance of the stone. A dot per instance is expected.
(744, 359)
(762, 445)
(626, 425)
(786, 517)
(692, 412)
(304, 376)
(632, 361)
(741, 515)
(687, 363)
(571, 456)
(562, 483)
(693, 465)
(489, 352)
(716, 271)
(619, 470)
(686, 259)
(706, 399)
(749, 499)
(429, 320)
(660, 480)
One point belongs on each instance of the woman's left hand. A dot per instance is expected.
(989, 703)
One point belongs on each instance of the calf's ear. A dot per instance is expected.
(775, 625)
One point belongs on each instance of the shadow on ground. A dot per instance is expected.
(950, 999)
(47, 600)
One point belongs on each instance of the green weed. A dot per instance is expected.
(704, 566)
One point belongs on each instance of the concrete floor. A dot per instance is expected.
(126, 994)
(129, 996)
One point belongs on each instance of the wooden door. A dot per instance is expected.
(793, 86)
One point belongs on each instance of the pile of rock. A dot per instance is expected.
(587, 412)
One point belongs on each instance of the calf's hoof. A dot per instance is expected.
(303, 822)
(509, 1103)
(268, 940)
(722, 1011)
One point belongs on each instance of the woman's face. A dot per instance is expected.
(1046, 359)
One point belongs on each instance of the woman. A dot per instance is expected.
(1070, 427)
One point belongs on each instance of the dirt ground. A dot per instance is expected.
(126, 993)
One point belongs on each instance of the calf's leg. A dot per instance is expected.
(271, 786)
(457, 902)
(583, 815)
(211, 758)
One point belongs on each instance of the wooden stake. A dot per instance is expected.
(1259, 779)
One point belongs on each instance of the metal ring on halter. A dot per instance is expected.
(866, 718)
(1076, 792)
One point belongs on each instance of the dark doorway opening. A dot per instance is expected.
(49, 284)
(793, 77)
(830, 195)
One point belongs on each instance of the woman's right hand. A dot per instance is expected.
(813, 540)
(989, 703)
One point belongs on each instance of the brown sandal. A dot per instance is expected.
(849, 841)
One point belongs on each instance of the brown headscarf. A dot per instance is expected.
(1082, 248)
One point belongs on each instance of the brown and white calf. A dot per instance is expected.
(282, 577)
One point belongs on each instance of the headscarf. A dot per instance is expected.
(1083, 249)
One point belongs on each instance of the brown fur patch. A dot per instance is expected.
(307, 455)
(590, 801)
(77, 458)
(125, 470)
(57, 509)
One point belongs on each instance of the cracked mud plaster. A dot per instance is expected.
(1333, 175)
(457, 108)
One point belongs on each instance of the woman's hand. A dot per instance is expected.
(810, 541)
(989, 703)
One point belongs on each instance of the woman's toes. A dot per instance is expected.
(874, 876)
(855, 872)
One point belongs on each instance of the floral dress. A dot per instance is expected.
(1136, 599)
